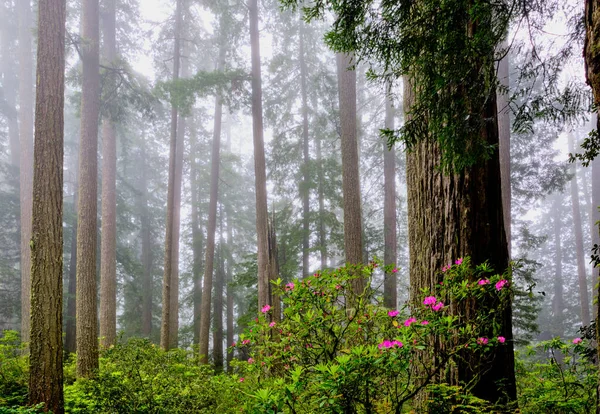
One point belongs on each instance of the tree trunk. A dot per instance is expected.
(322, 239)
(26, 80)
(218, 305)
(197, 235)
(390, 298)
(87, 314)
(273, 273)
(229, 290)
(350, 163)
(46, 353)
(212, 222)
(108, 246)
(558, 300)
(305, 186)
(146, 237)
(165, 329)
(504, 143)
(70, 332)
(260, 175)
(580, 254)
(457, 215)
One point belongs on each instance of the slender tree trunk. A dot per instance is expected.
(581, 272)
(305, 188)
(87, 314)
(390, 293)
(322, 239)
(108, 246)
(212, 223)
(218, 303)
(46, 353)
(260, 175)
(197, 235)
(26, 25)
(504, 143)
(558, 300)
(350, 163)
(165, 329)
(9, 86)
(469, 206)
(70, 332)
(146, 237)
(273, 273)
(229, 290)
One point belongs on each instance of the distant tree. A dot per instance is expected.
(46, 350)
(390, 288)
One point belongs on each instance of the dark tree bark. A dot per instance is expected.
(46, 351)
(457, 215)
(87, 314)
(26, 25)
(165, 329)
(108, 246)
(558, 300)
(584, 301)
(70, 331)
(305, 186)
(350, 163)
(212, 222)
(260, 175)
(504, 144)
(390, 293)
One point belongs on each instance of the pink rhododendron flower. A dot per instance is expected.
(430, 300)
(459, 261)
(437, 307)
(242, 379)
(446, 268)
(245, 342)
(266, 308)
(395, 270)
(251, 360)
(398, 344)
(425, 323)
(501, 339)
(290, 286)
(233, 344)
(483, 282)
(385, 344)
(577, 341)
(501, 283)
(272, 324)
(409, 321)
(338, 287)
(482, 341)
(393, 314)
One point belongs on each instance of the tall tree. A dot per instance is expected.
(71, 316)
(218, 302)
(228, 280)
(197, 234)
(165, 329)
(10, 84)
(87, 314)
(108, 247)
(46, 353)
(305, 187)
(504, 140)
(579, 251)
(390, 293)
(26, 155)
(212, 216)
(350, 163)
(558, 300)
(146, 236)
(260, 175)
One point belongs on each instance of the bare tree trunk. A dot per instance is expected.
(504, 141)
(218, 303)
(390, 290)
(350, 163)
(146, 237)
(108, 246)
(581, 273)
(558, 300)
(229, 279)
(165, 329)
(197, 235)
(46, 350)
(87, 313)
(260, 175)
(212, 223)
(322, 239)
(26, 80)
(70, 331)
(305, 188)
(273, 273)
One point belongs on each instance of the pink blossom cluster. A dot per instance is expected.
(432, 302)
(390, 344)
(501, 283)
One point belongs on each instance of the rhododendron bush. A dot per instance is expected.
(342, 351)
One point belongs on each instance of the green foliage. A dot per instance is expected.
(13, 370)
(35, 409)
(138, 377)
(556, 378)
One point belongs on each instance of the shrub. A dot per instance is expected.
(14, 368)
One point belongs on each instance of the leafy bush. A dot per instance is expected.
(13, 370)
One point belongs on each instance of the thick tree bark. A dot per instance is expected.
(108, 246)
(146, 237)
(457, 215)
(87, 314)
(504, 143)
(390, 293)
(305, 186)
(260, 175)
(558, 300)
(212, 223)
(584, 302)
(70, 331)
(26, 155)
(165, 329)
(350, 163)
(46, 353)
